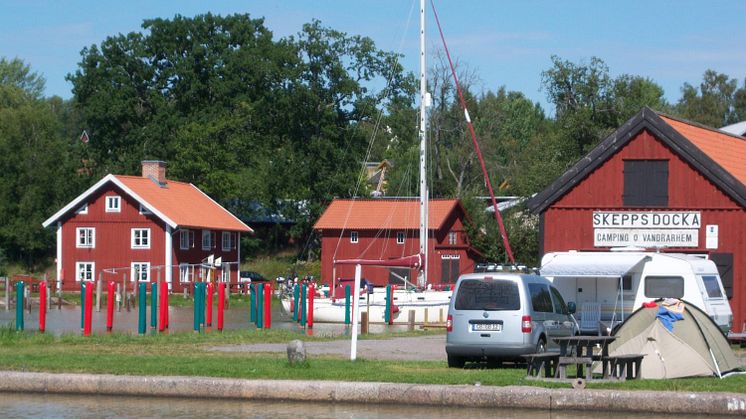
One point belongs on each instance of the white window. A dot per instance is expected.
(452, 237)
(83, 209)
(208, 239)
(113, 204)
(144, 210)
(84, 271)
(185, 274)
(400, 237)
(86, 237)
(353, 236)
(229, 240)
(186, 239)
(141, 238)
(141, 271)
(226, 274)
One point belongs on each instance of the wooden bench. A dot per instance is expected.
(622, 367)
(581, 362)
(538, 361)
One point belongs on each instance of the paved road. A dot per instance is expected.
(419, 348)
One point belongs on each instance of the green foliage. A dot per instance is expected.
(718, 101)
(16, 73)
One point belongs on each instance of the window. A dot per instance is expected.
(208, 239)
(141, 271)
(712, 286)
(626, 283)
(645, 183)
(113, 204)
(86, 237)
(144, 211)
(141, 238)
(559, 303)
(487, 294)
(664, 287)
(400, 237)
(229, 240)
(353, 236)
(540, 298)
(83, 209)
(185, 274)
(84, 271)
(186, 239)
(452, 237)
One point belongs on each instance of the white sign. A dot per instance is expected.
(648, 219)
(711, 236)
(617, 237)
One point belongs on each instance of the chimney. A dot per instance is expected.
(155, 170)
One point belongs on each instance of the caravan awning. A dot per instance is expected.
(597, 265)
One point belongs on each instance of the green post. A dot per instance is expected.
(196, 305)
(82, 303)
(19, 305)
(259, 307)
(142, 308)
(201, 306)
(347, 304)
(154, 305)
(387, 312)
(296, 301)
(252, 302)
(303, 289)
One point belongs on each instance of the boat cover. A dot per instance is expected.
(589, 264)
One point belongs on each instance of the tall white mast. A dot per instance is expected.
(422, 279)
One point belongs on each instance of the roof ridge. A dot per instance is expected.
(699, 125)
(144, 178)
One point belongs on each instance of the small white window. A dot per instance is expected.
(84, 271)
(186, 239)
(353, 236)
(185, 274)
(144, 210)
(113, 204)
(86, 237)
(400, 237)
(229, 240)
(83, 209)
(208, 239)
(141, 271)
(452, 237)
(141, 238)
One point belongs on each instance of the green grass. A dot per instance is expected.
(272, 267)
(190, 354)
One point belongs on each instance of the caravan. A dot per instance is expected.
(608, 286)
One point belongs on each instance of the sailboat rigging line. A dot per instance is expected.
(498, 217)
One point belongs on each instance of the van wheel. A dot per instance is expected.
(541, 346)
(456, 361)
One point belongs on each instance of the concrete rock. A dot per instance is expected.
(296, 352)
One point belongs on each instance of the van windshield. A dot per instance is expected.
(478, 294)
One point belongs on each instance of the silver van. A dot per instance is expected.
(500, 316)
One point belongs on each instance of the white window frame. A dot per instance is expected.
(452, 237)
(143, 238)
(400, 237)
(89, 242)
(144, 211)
(231, 240)
(83, 209)
(113, 203)
(89, 270)
(146, 271)
(211, 239)
(185, 275)
(354, 237)
(186, 239)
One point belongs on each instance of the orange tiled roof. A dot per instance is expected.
(184, 204)
(726, 150)
(374, 214)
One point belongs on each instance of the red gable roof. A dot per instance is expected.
(375, 214)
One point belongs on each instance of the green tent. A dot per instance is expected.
(695, 346)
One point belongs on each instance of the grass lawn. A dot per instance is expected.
(190, 354)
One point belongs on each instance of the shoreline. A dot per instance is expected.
(436, 395)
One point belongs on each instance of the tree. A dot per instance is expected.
(18, 74)
(717, 102)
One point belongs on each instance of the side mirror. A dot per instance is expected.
(571, 308)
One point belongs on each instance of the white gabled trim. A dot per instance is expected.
(221, 207)
(109, 178)
(59, 256)
(169, 256)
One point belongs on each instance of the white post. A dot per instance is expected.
(59, 258)
(355, 312)
(422, 279)
(169, 256)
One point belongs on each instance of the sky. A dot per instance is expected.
(506, 43)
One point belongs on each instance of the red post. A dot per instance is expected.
(309, 317)
(267, 301)
(208, 306)
(110, 306)
(163, 306)
(221, 304)
(42, 306)
(391, 306)
(88, 309)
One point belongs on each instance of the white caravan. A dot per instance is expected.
(593, 280)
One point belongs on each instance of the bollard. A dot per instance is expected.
(19, 305)
(88, 309)
(208, 314)
(259, 307)
(296, 298)
(252, 303)
(311, 295)
(387, 311)
(163, 307)
(154, 304)
(267, 306)
(411, 320)
(42, 306)
(202, 303)
(82, 303)
(221, 305)
(364, 323)
(110, 307)
(142, 309)
(196, 305)
(347, 304)
(303, 290)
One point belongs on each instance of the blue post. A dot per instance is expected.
(252, 301)
(296, 301)
(387, 313)
(347, 304)
(303, 289)
(19, 305)
(259, 307)
(154, 305)
(142, 309)
(82, 303)
(196, 306)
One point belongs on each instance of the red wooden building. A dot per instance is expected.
(685, 180)
(146, 227)
(389, 229)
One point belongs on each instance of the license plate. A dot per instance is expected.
(487, 327)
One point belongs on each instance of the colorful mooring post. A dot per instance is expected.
(221, 305)
(42, 307)
(296, 298)
(267, 306)
(82, 303)
(19, 304)
(154, 305)
(347, 304)
(387, 312)
(110, 306)
(88, 309)
(163, 306)
(311, 295)
(303, 290)
(259, 307)
(196, 306)
(208, 305)
(142, 307)
(252, 303)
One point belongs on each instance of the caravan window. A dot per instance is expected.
(712, 286)
(475, 294)
(664, 287)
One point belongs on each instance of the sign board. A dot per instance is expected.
(711, 236)
(646, 229)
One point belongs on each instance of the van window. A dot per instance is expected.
(712, 286)
(540, 298)
(477, 294)
(664, 287)
(559, 304)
